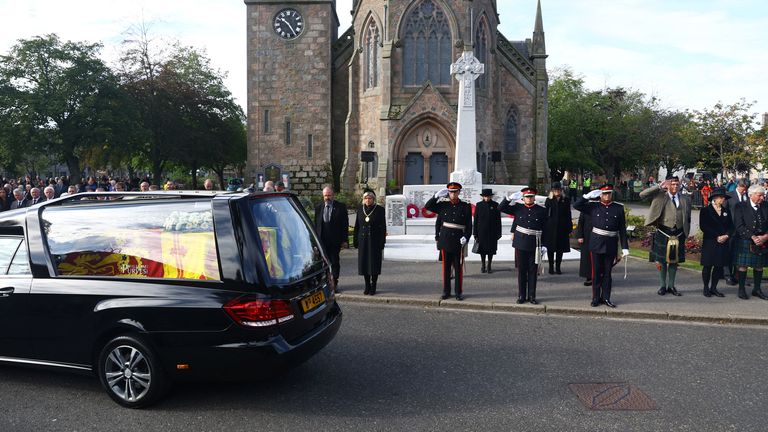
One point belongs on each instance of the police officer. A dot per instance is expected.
(608, 223)
(530, 220)
(455, 229)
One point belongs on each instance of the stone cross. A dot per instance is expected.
(466, 70)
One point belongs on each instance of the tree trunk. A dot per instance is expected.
(73, 165)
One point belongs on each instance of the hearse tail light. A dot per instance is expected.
(259, 313)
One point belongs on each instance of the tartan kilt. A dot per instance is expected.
(743, 257)
(658, 252)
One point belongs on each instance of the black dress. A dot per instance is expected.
(559, 225)
(713, 226)
(369, 238)
(487, 227)
(583, 231)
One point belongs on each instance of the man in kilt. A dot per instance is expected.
(670, 213)
(750, 220)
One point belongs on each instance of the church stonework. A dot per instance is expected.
(379, 101)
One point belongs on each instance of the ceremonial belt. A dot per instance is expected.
(605, 233)
(453, 225)
(536, 233)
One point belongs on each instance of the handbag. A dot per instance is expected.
(476, 247)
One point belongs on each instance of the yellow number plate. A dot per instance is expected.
(312, 301)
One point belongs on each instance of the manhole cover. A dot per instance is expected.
(612, 397)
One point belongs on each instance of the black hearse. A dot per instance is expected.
(142, 289)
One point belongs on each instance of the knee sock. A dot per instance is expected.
(758, 278)
(663, 275)
(672, 271)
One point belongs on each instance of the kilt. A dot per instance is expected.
(658, 251)
(742, 257)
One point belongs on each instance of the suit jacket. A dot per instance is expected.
(15, 204)
(659, 200)
(333, 234)
(745, 220)
(733, 200)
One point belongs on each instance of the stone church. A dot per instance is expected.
(377, 105)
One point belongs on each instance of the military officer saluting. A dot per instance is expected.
(530, 220)
(609, 227)
(455, 229)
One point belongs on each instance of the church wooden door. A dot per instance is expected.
(425, 154)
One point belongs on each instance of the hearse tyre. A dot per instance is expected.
(130, 372)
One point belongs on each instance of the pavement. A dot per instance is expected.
(418, 283)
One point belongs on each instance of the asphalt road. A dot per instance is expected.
(436, 370)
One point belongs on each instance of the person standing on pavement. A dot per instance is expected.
(559, 227)
(716, 224)
(332, 226)
(528, 230)
(608, 223)
(586, 184)
(750, 221)
(573, 187)
(670, 213)
(487, 229)
(455, 229)
(369, 238)
(583, 233)
(737, 195)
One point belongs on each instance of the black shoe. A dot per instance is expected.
(558, 271)
(533, 301)
(366, 292)
(716, 293)
(482, 269)
(520, 300)
(587, 282)
(489, 271)
(662, 291)
(459, 297)
(595, 303)
(444, 297)
(551, 271)
(743, 296)
(759, 294)
(731, 281)
(673, 291)
(707, 293)
(608, 303)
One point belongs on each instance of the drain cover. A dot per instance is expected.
(612, 397)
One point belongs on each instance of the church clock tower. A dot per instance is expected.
(290, 91)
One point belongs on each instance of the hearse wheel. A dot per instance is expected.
(131, 373)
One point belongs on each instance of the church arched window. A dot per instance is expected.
(371, 50)
(481, 52)
(511, 138)
(426, 46)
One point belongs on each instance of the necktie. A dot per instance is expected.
(19, 204)
(327, 214)
(674, 200)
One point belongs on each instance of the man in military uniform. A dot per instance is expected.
(530, 220)
(455, 229)
(608, 223)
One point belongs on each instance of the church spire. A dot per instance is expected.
(539, 47)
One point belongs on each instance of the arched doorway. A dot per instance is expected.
(424, 155)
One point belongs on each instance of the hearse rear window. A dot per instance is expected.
(289, 248)
(161, 240)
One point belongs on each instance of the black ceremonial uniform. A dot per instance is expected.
(456, 222)
(527, 246)
(608, 223)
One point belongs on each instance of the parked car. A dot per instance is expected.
(144, 289)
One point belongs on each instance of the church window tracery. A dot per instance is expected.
(511, 132)
(372, 42)
(427, 46)
(481, 52)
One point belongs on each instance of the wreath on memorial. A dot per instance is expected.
(412, 211)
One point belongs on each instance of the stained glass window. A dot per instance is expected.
(427, 46)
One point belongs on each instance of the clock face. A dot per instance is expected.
(288, 24)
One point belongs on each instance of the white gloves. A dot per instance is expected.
(593, 194)
(624, 253)
(463, 241)
(442, 193)
(543, 250)
(515, 196)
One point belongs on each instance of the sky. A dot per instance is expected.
(691, 54)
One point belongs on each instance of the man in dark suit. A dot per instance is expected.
(332, 225)
(455, 229)
(528, 229)
(734, 197)
(670, 213)
(750, 220)
(18, 199)
(35, 197)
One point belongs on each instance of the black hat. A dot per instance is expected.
(556, 185)
(487, 192)
(673, 177)
(369, 192)
(453, 186)
(718, 191)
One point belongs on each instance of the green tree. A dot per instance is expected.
(56, 98)
(725, 132)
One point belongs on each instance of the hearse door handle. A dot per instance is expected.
(6, 291)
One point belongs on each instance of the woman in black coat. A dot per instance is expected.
(717, 225)
(559, 227)
(369, 238)
(487, 228)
